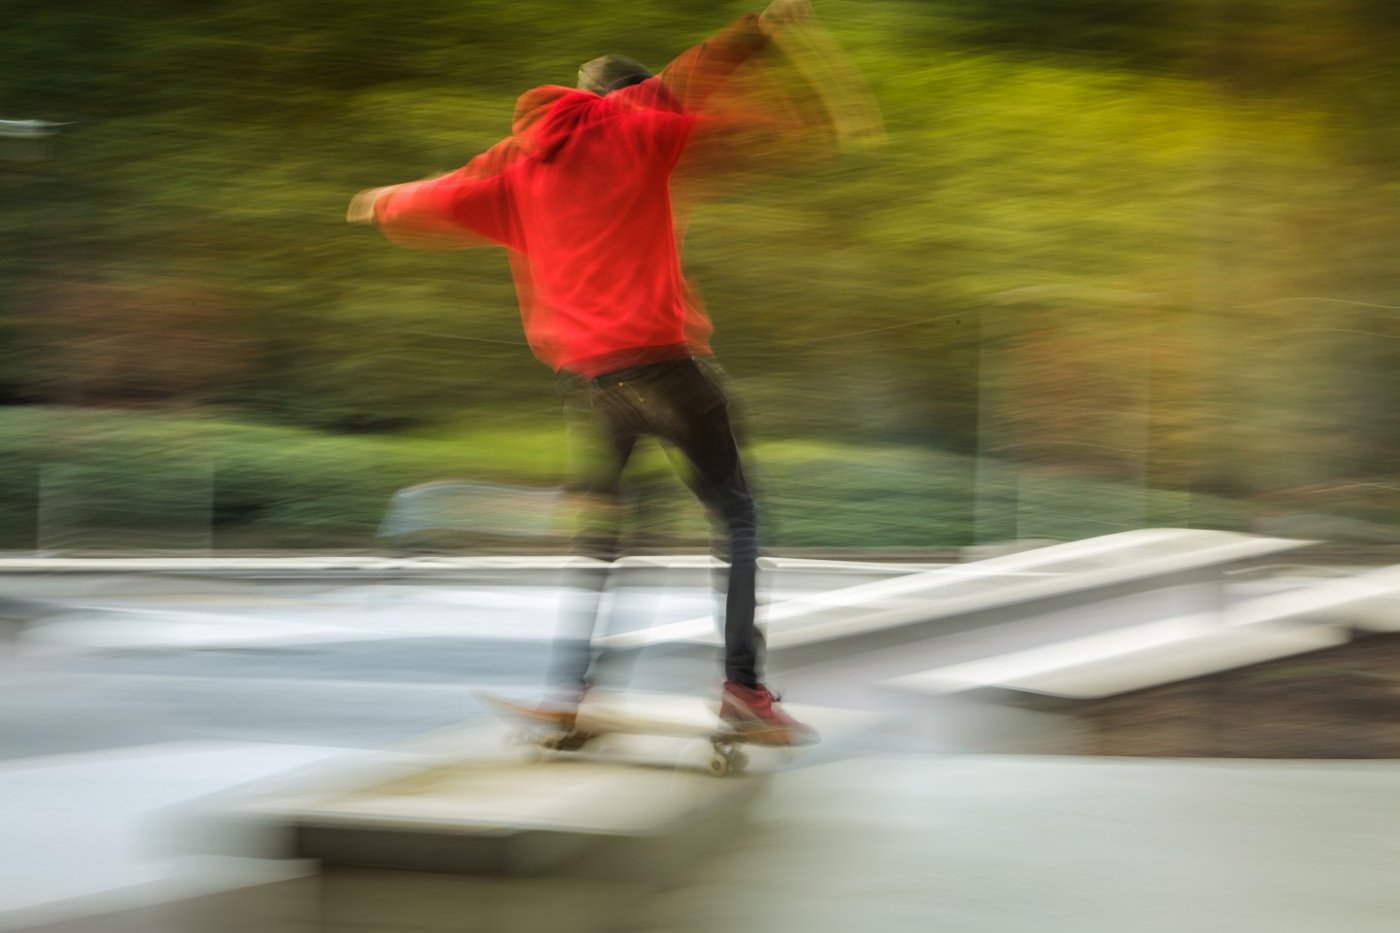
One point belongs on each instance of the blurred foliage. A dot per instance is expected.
(123, 480)
(1145, 246)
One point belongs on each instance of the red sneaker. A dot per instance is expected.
(755, 712)
(559, 711)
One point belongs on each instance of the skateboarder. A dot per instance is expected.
(580, 196)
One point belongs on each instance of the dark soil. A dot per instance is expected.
(1342, 702)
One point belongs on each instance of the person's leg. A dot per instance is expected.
(682, 404)
(700, 427)
(600, 444)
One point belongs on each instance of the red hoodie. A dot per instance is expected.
(580, 195)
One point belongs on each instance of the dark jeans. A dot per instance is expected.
(683, 403)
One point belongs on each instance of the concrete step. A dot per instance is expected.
(463, 831)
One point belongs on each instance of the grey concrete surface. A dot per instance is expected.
(993, 844)
(171, 700)
(896, 843)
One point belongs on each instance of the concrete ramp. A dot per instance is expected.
(1023, 599)
(1139, 656)
(1026, 698)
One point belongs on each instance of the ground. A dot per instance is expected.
(1343, 702)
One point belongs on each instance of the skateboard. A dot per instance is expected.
(595, 721)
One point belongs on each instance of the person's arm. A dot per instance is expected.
(688, 100)
(470, 207)
(696, 74)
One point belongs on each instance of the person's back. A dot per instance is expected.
(596, 230)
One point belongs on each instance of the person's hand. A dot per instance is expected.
(781, 13)
(361, 209)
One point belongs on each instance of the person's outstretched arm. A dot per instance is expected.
(470, 207)
(696, 74)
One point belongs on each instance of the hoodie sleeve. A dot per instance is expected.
(696, 74)
(471, 207)
(664, 112)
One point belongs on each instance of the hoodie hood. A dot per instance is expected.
(546, 117)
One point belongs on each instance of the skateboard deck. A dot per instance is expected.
(597, 720)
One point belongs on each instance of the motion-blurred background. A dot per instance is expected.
(1118, 265)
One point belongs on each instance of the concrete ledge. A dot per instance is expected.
(1123, 661)
(1082, 569)
(1138, 571)
(494, 841)
(566, 818)
(1371, 600)
(1141, 656)
(1029, 700)
(464, 801)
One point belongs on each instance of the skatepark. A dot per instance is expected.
(947, 791)
(1038, 360)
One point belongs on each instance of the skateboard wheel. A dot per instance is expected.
(719, 764)
(738, 760)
